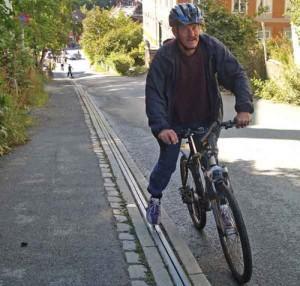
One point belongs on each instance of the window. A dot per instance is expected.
(287, 33)
(239, 6)
(264, 6)
(260, 34)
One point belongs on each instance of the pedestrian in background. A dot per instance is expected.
(70, 71)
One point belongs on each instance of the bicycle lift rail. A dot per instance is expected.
(175, 269)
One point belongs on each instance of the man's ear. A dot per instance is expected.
(174, 31)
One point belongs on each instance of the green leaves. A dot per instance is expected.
(236, 31)
(294, 11)
(27, 30)
(107, 36)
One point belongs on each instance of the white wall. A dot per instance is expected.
(296, 43)
(155, 12)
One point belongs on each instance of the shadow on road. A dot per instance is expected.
(270, 208)
(263, 133)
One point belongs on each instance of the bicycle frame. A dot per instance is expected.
(213, 174)
(206, 186)
(195, 156)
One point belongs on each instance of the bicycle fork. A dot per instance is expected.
(216, 175)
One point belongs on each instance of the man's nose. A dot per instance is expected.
(191, 31)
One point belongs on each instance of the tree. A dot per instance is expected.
(236, 31)
(48, 27)
(112, 39)
(27, 30)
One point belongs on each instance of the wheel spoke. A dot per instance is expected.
(234, 238)
(197, 214)
(235, 251)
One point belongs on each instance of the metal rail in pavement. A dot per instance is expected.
(159, 235)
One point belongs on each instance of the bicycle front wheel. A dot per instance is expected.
(190, 183)
(235, 242)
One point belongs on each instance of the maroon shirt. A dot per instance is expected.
(191, 103)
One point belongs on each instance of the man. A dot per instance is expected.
(70, 71)
(182, 91)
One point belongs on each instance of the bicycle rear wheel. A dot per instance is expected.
(190, 182)
(235, 245)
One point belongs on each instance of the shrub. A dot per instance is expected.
(15, 100)
(138, 54)
(285, 87)
(13, 124)
(120, 62)
(286, 90)
(280, 49)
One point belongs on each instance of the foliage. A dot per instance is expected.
(138, 54)
(120, 62)
(49, 24)
(23, 44)
(89, 4)
(96, 24)
(107, 36)
(286, 86)
(280, 49)
(237, 32)
(286, 90)
(294, 11)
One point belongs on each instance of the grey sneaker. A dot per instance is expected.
(227, 220)
(153, 211)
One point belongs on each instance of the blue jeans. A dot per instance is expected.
(164, 168)
(166, 165)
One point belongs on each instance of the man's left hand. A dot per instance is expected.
(242, 119)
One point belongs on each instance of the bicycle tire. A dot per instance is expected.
(243, 274)
(189, 180)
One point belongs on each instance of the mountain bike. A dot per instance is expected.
(206, 186)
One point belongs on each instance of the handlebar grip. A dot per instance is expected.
(228, 124)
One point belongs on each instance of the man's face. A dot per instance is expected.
(187, 35)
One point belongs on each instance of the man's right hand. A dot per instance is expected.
(168, 136)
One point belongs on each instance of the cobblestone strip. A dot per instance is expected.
(138, 269)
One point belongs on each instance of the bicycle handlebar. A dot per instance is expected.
(185, 133)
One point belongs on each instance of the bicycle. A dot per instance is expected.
(206, 186)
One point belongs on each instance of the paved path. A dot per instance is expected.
(56, 225)
(264, 160)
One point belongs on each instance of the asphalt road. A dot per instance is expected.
(264, 165)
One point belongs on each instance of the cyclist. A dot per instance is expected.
(182, 91)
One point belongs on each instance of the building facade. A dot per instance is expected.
(272, 14)
(156, 23)
(296, 43)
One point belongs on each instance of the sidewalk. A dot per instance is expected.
(56, 224)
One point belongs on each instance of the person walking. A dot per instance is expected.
(182, 91)
(70, 74)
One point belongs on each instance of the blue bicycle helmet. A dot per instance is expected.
(185, 14)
